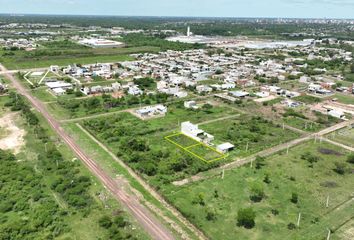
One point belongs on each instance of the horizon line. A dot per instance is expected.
(156, 16)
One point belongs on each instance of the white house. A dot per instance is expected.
(192, 130)
(190, 104)
(134, 90)
(150, 111)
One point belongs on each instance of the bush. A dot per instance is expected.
(350, 159)
(339, 168)
(105, 222)
(291, 226)
(246, 218)
(294, 198)
(257, 193)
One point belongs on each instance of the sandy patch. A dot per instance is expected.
(14, 138)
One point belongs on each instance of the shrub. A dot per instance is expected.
(291, 226)
(339, 168)
(350, 159)
(257, 193)
(246, 218)
(294, 198)
(105, 222)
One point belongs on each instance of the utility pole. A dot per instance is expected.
(247, 147)
(327, 202)
(287, 150)
(329, 234)
(223, 174)
(298, 220)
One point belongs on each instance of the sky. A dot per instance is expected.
(195, 8)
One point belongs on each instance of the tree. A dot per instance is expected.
(246, 218)
(350, 159)
(352, 68)
(294, 198)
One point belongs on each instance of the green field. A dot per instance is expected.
(287, 174)
(346, 99)
(344, 136)
(303, 124)
(255, 132)
(47, 56)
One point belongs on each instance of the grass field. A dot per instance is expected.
(41, 63)
(288, 174)
(43, 94)
(249, 135)
(63, 56)
(344, 136)
(303, 124)
(346, 99)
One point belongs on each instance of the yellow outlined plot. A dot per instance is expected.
(197, 149)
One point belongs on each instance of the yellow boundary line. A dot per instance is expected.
(223, 156)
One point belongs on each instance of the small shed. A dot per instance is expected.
(225, 147)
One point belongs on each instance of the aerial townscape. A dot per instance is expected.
(220, 127)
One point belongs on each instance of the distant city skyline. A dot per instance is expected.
(186, 8)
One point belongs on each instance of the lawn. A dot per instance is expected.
(222, 198)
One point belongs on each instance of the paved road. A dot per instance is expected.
(144, 217)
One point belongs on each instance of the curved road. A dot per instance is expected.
(140, 212)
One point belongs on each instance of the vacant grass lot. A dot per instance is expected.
(343, 98)
(344, 136)
(249, 134)
(287, 174)
(303, 124)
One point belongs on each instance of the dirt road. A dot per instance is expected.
(140, 212)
